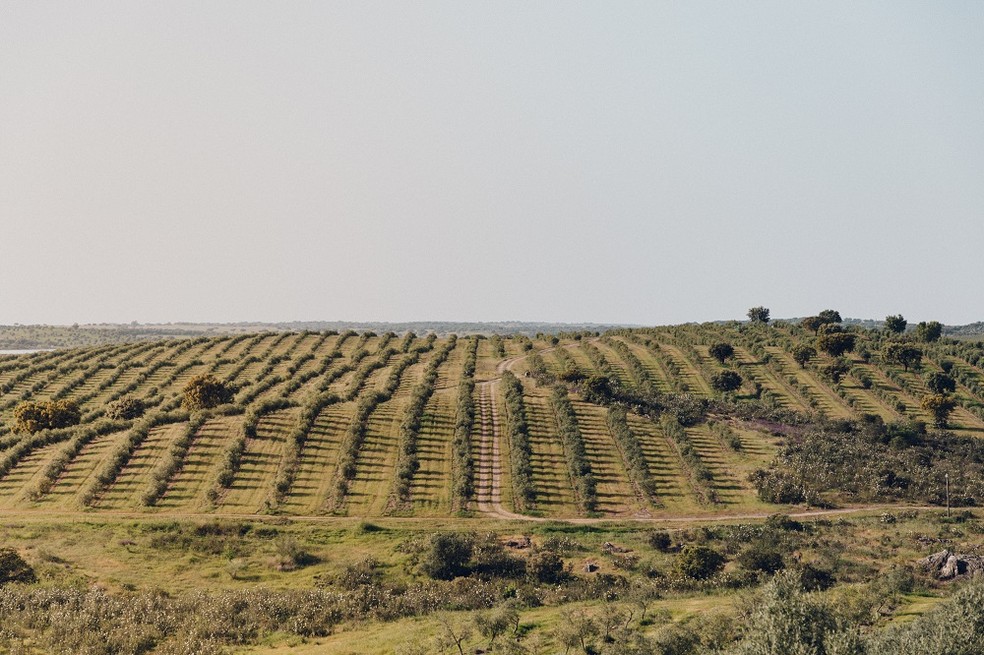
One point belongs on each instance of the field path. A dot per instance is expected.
(488, 485)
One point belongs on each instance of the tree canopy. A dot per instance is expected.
(929, 332)
(903, 354)
(721, 351)
(895, 323)
(758, 314)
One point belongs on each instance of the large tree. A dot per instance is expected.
(758, 314)
(941, 383)
(721, 351)
(830, 316)
(929, 332)
(895, 323)
(834, 341)
(903, 354)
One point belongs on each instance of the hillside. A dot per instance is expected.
(372, 425)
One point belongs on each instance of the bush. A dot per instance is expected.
(699, 562)
(545, 566)
(13, 568)
(660, 540)
(126, 408)
(759, 558)
(204, 392)
(33, 416)
(447, 555)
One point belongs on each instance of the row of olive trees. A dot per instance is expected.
(578, 465)
(409, 462)
(462, 463)
(520, 448)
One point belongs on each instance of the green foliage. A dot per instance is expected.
(520, 449)
(940, 406)
(759, 557)
(802, 354)
(836, 369)
(903, 354)
(929, 332)
(721, 351)
(726, 381)
(205, 391)
(895, 324)
(758, 315)
(545, 566)
(447, 555)
(126, 408)
(941, 383)
(574, 451)
(13, 568)
(698, 562)
(34, 416)
(834, 341)
(828, 316)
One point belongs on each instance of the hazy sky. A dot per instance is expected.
(647, 162)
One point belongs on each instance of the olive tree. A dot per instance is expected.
(929, 332)
(803, 353)
(902, 354)
(726, 381)
(940, 406)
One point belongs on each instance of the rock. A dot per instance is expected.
(951, 568)
(590, 567)
(609, 547)
(519, 544)
(935, 561)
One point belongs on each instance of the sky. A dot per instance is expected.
(610, 162)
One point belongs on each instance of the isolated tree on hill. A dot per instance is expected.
(803, 353)
(721, 351)
(941, 383)
(903, 354)
(830, 316)
(726, 381)
(939, 405)
(205, 391)
(758, 314)
(834, 341)
(929, 332)
(895, 324)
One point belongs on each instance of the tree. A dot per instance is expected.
(895, 324)
(836, 369)
(941, 383)
(929, 332)
(758, 314)
(903, 354)
(205, 391)
(834, 341)
(803, 353)
(939, 405)
(699, 562)
(447, 556)
(726, 381)
(721, 351)
(829, 316)
(34, 416)
(811, 323)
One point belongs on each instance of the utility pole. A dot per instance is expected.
(947, 494)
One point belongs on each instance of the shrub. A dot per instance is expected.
(660, 540)
(13, 568)
(204, 392)
(46, 415)
(726, 381)
(126, 408)
(699, 562)
(447, 555)
(759, 558)
(545, 566)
